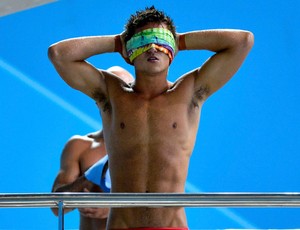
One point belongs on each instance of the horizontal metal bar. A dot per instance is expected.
(123, 200)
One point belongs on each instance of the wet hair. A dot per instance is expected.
(143, 17)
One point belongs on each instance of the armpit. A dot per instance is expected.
(102, 100)
(201, 92)
(199, 96)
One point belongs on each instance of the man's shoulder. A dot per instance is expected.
(80, 138)
(185, 80)
(79, 141)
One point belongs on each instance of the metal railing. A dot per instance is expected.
(155, 200)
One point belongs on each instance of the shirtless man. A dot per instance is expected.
(150, 126)
(79, 154)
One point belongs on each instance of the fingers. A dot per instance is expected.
(86, 190)
(98, 213)
(120, 46)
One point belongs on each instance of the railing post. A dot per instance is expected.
(61, 215)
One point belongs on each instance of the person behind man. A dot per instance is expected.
(78, 155)
(150, 125)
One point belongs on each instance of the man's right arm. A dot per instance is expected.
(69, 59)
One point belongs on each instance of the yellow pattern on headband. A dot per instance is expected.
(144, 49)
(162, 38)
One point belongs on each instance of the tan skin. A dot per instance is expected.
(151, 125)
(79, 154)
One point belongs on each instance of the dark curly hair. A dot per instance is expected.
(143, 17)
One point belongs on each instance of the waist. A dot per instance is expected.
(168, 218)
(153, 228)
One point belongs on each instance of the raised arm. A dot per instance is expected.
(231, 48)
(69, 59)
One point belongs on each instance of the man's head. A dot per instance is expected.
(149, 29)
(142, 18)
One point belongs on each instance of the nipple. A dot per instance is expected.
(174, 125)
(122, 125)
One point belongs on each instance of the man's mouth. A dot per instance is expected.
(152, 58)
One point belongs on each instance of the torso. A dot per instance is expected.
(155, 159)
(91, 223)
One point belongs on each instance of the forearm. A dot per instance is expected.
(215, 40)
(76, 186)
(78, 49)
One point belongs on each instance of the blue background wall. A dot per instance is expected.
(248, 139)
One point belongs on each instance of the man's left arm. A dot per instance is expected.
(231, 48)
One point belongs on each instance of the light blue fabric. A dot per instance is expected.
(94, 174)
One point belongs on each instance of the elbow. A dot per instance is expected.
(55, 211)
(58, 53)
(247, 40)
(54, 53)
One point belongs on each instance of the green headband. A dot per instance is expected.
(159, 36)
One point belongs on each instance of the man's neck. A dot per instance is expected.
(151, 86)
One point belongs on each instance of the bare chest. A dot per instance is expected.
(156, 115)
(151, 121)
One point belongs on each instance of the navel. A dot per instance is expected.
(122, 125)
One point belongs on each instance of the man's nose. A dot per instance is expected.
(152, 50)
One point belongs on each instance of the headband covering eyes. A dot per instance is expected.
(159, 38)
